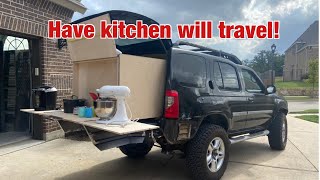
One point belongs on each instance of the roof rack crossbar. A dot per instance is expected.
(210, 51)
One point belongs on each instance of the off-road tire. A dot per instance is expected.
(137, 150)
(196, 152)
(275, 136)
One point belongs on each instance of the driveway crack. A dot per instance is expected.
(304, 155)
(277, 167)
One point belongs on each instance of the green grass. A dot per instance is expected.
(308, 111)
(279, 79)
(294, 85)
(311, 118)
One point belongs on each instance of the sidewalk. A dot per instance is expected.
(69, 159)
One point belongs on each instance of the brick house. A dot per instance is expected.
(298, 55)
(29, 59)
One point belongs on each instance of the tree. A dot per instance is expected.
(278, 64)
(313, 76)
(262, 62)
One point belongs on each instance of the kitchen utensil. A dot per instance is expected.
(94, 96)
(119, 93)
(88, 112)
(44, 98)
(82, 111)
(105, 108)
(70, 104)
(76, 110)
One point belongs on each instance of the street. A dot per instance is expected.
(295, 106)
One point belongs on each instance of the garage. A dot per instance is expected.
(28, 59)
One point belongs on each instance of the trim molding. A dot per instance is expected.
(73, 5)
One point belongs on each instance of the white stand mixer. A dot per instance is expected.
(119, 93)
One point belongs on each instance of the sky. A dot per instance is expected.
(295, 17)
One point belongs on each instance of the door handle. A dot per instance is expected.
(250, 99)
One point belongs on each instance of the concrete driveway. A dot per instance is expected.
(70, 159)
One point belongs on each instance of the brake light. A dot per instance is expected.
(172, 104)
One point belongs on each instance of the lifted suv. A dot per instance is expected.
(213, 101)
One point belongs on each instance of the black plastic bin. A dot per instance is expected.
(70, 104)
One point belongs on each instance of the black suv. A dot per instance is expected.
(212, 101)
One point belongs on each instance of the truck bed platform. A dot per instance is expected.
(102, 136)
(91, 122)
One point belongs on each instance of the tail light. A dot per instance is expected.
(172, 104)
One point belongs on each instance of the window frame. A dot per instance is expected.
(237, 74)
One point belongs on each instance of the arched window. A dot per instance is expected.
(15, 43)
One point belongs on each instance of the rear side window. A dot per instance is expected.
(226, 77)
(189, 70)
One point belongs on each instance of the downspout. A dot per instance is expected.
(296, 65)
(306, 61)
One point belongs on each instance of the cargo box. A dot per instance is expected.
(138, 64)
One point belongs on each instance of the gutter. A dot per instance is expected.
(73, 5)
(297, 42)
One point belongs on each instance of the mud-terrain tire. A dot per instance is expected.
(199, 149)
(137, 150)
(278, 132)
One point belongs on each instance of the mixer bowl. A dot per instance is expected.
(105, 108)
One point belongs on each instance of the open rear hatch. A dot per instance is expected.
(157, 48)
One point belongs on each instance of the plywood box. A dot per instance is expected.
(144, 76)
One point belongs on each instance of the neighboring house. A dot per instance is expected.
(298, 55)
(29, 59)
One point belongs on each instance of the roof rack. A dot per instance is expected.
(210, 51)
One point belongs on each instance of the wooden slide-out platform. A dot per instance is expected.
(91, 122)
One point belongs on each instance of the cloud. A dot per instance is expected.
(259, 12)
(295, 17)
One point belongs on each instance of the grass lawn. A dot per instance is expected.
(311, 118)
(293, 84)
(308, 111)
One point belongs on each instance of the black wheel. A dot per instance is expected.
(278, 132)
(207, 154)
(137, 150)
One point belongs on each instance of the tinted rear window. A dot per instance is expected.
(189, 70)
(226, 77)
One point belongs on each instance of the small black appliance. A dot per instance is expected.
(44, 98)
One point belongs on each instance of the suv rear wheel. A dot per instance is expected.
(278, 132)
(207, 153)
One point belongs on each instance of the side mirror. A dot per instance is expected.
(271, 89)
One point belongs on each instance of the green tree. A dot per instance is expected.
(313, 76)
(262, 62)
(278, 64)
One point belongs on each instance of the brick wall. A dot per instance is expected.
(29, 17)
(297, 63)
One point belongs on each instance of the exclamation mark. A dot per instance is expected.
(276, 29)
